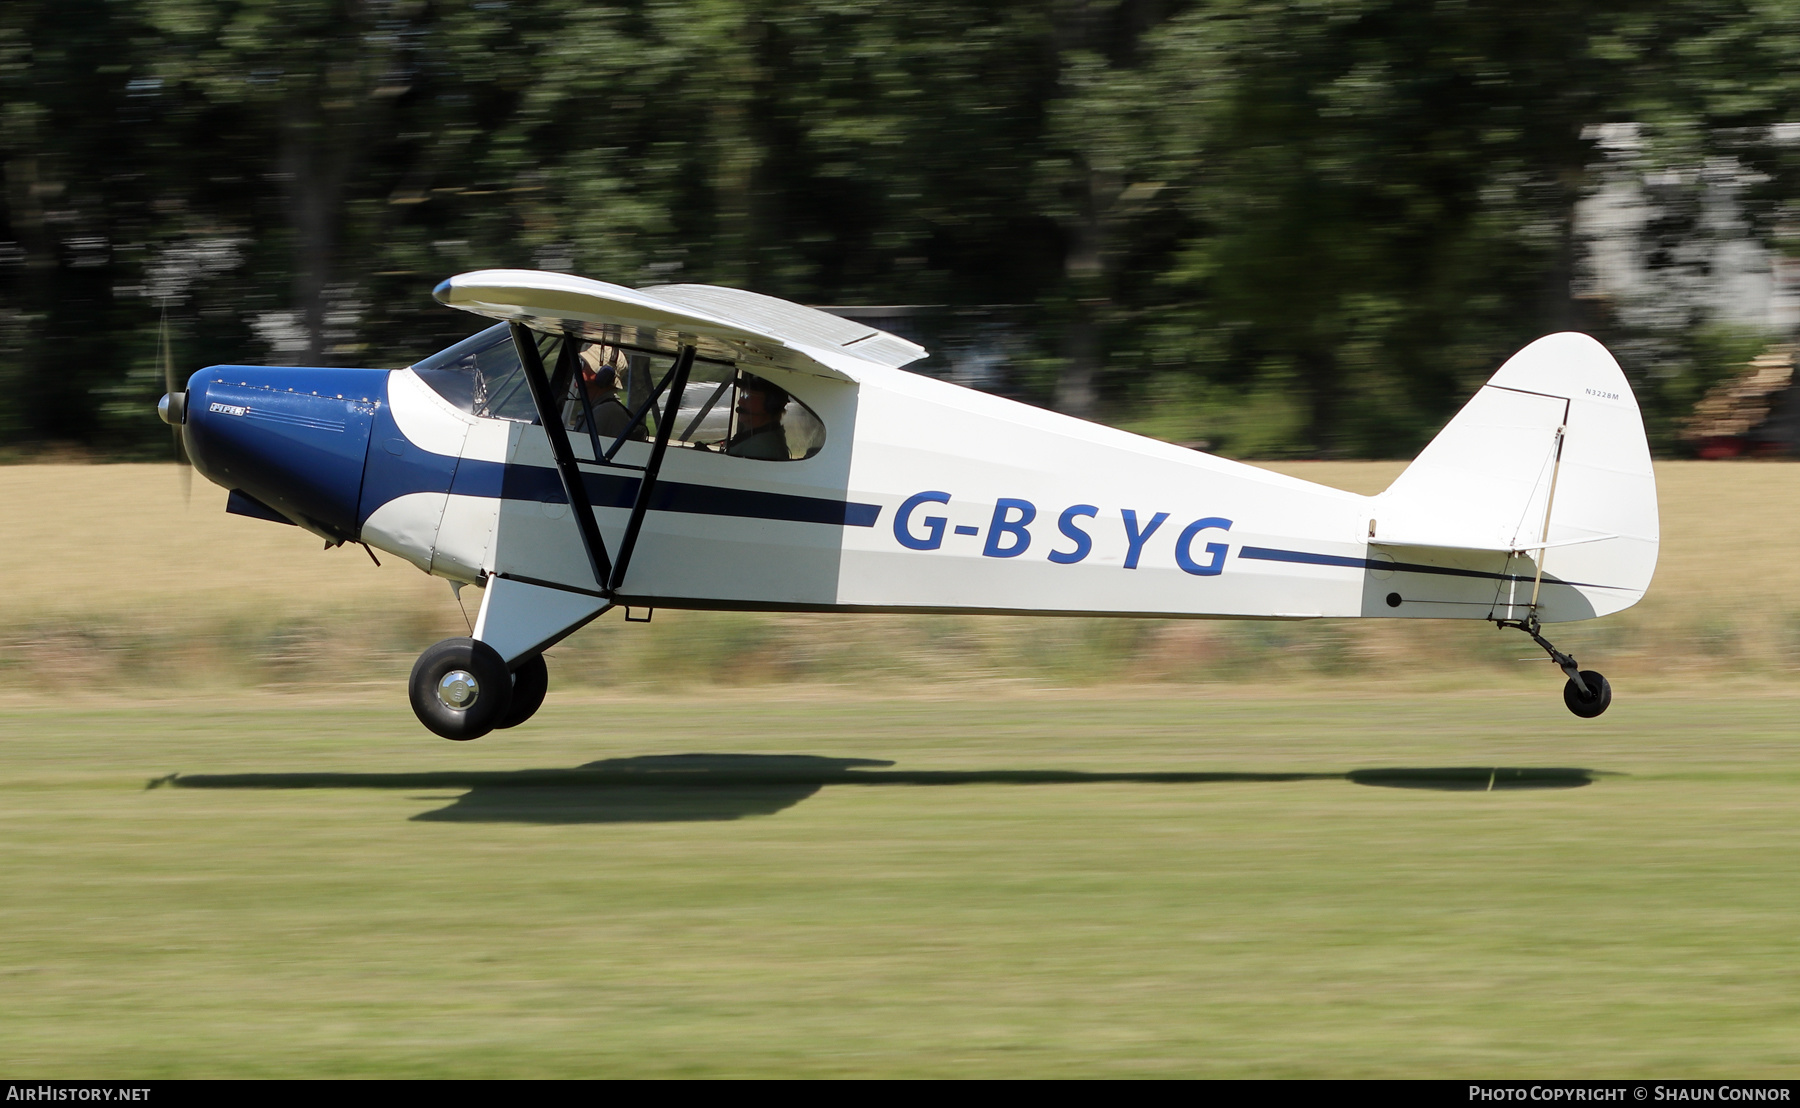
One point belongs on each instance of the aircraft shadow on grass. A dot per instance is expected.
(690, 787)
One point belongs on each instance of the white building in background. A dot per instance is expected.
(1667, 248)
(1663, 251)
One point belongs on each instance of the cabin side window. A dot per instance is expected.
(723, 410)
(605, 398)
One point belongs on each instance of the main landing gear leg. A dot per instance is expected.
(1587, 693)
(464, 688)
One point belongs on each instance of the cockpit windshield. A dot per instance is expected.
(607, 397)
(482, 375)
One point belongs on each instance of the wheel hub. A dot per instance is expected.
(458, 689)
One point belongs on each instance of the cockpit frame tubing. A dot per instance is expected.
(706, 409)
(566, 357)
(637, 417)
(684, 362)
(550, 416)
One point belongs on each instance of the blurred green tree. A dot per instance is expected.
(1301, 227)
(1383, 196)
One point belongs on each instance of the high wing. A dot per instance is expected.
(744, 327)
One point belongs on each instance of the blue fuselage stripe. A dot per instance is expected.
(607, 490)
(1266, 554)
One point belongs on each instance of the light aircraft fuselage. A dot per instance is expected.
(692, 447)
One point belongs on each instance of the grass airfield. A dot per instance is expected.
(978, 847)
(752, 882)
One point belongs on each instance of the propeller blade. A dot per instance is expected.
(170, 390)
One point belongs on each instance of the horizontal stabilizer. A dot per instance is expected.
(1523, 548)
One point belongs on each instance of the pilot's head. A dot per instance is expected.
(599, 372)
(760, 402)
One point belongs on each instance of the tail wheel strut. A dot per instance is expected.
(1587, 693)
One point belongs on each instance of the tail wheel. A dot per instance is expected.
(460, 689)
(529, 684)
(1594, 701)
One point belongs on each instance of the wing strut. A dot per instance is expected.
(550, 415)
(678, 385)
(1549, 503)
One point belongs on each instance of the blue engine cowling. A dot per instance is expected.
(294, 439)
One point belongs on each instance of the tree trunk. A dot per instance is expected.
(1076, 393)
(1088, 264)
(1557, 311)
(1084, 268)
(1319, 375)
(314, 172)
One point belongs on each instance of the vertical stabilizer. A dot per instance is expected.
(1549, 463)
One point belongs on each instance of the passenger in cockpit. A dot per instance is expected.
(761, 405)
(599, 384)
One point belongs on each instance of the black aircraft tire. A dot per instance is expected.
(1587, 707)
(434, 688)
(530, 682)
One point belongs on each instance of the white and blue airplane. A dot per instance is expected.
(689, 446)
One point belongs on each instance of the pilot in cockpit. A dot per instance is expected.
(761, 404)
(597, 379)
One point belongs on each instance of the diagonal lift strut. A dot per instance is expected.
(684, 363)
(608, 575)
(550, 415)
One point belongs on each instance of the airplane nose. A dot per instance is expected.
(173, 408)
(294, 439)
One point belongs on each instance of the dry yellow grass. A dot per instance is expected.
(1729, 529)
(98, 539)
(1727, 587)
(115, 575)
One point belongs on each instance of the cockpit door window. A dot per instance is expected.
(607, 396)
